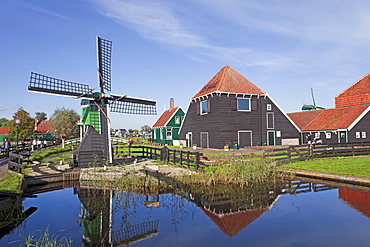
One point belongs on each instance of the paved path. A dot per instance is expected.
(3, 167)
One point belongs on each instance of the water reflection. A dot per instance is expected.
(194, 215)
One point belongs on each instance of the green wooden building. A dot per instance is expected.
(166, 129)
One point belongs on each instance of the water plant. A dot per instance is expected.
(44, 239)
(238, 172)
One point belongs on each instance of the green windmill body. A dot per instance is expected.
(90, 114)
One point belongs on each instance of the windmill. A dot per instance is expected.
(96, 144)
(312, 107)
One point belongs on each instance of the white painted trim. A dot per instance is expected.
(268, 137)
(267, 120)
(291, 121)
(249, 104)
(358, 119)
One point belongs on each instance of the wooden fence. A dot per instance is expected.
(180, 157)
(307, 152)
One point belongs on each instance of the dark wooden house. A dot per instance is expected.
(349, 121)
(230, 110)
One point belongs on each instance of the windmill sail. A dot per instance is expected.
(104, 63)
(49, 85)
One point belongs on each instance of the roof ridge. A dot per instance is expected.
(226, 68)
(345, 90)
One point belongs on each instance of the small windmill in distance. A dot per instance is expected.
(96, 146)
(312, 107)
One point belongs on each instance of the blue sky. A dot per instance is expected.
(164, 49)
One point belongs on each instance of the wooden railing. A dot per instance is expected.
(180, 157)
(307, 152)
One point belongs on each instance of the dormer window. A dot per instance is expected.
(244, 104)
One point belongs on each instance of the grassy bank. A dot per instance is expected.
(354, 166)
(10, 183)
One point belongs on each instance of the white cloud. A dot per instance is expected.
(159, 22)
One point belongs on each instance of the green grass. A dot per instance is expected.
(358, 166)
(10, 183)
(44, 153)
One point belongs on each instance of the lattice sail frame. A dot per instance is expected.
(132, 108)
(104, 62)
(46, 84)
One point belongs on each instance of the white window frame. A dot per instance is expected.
(273, 120)
(249, 104)
(169, 137)
(278, 133)
(269, 107)
(201, 107)
(328, 135)
(363, 134)
(358, 134)
(155, 133)
(317, 135)
(177, 120)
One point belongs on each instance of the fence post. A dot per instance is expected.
(174, 156)
(188, 158)
(180, 157)
(197, 161)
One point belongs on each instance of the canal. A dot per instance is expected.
(291, 213)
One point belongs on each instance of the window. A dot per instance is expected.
(278, 133)
(363, 134)
(203, 107)
(244, 105)
(169, 134)
(328, 135)
(358, 135)
(155, 133)
(177, 120)
(270, 120)
(269, 107)
(317, 135)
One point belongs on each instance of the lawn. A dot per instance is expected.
(357, 166)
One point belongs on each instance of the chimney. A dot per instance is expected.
(172, 103)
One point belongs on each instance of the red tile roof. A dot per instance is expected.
(302, 119)
(357, 94)
(232, 223)
(4, 130)
(43, 127)
(359, 200)
(328, 119)
(163, 119)
(227, 80)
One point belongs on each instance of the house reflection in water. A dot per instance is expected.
(233, 209)
(359, 200)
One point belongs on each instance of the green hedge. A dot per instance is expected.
(42, 154)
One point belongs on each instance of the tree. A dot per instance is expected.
(3, 121)
(64, 123)
(25, 127)
(40, 116)
(146, 128)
